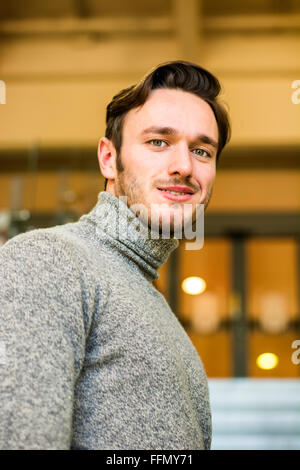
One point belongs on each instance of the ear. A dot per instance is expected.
(107, 158)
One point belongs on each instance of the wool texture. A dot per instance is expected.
(92, 355)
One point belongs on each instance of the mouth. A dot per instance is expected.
(176, 193)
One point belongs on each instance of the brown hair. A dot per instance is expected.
(183, 75)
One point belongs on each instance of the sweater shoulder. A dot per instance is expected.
(56, 250)
(52, 262)
(53, 244)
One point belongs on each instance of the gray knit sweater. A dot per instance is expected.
(91, 355)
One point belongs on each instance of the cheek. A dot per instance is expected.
(138, 159)
(206, 176)
(147, 164)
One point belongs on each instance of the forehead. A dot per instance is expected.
(184, 111)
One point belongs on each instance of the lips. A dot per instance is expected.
(179, 196)
(177, 189)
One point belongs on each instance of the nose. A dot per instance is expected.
(181, 161)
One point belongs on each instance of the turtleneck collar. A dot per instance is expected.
(118, 226)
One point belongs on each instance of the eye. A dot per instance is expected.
(202, 153)
(157, 142)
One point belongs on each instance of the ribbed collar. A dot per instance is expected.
(118, 226)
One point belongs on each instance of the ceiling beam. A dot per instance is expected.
(76, 25)
(188, 25)
(79, 158)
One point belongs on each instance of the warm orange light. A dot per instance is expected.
(193, 285)
(267, 361)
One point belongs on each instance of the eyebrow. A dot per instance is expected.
(201, 138)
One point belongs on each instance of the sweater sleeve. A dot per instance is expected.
(43, 326)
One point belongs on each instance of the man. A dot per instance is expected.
(92, 355)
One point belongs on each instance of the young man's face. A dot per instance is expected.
(170, 141)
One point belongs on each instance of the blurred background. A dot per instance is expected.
(238, 298)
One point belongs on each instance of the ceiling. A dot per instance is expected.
(31, 9)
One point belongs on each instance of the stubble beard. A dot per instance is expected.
(131, 189)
